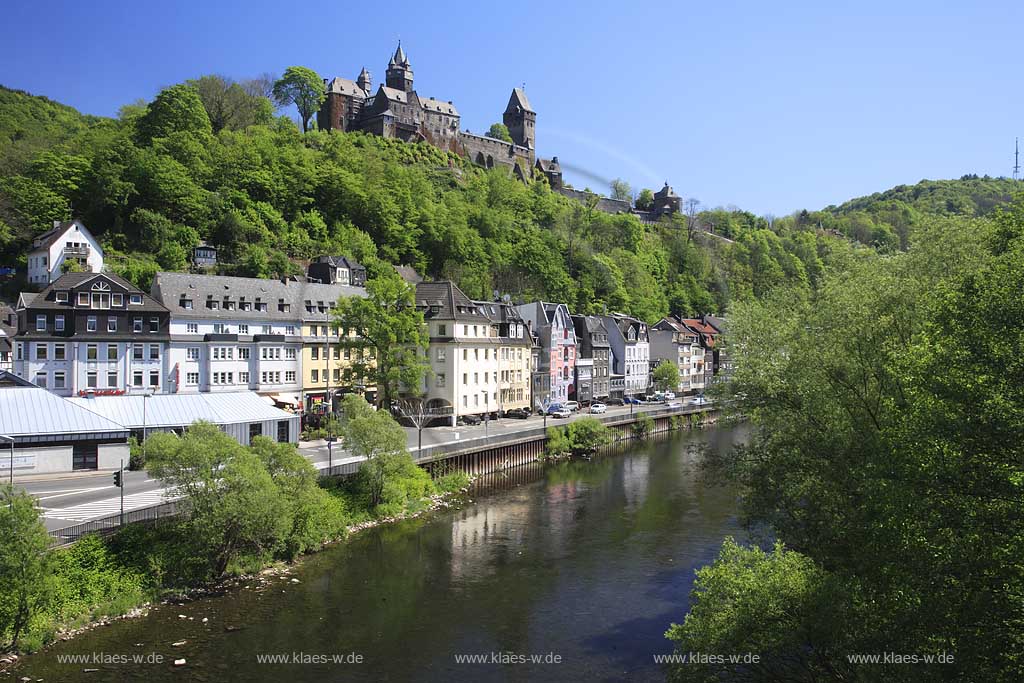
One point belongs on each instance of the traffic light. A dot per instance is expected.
(117, 479)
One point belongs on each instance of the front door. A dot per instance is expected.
(84, 456)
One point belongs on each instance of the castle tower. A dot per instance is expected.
(521, 120)
(399, 73)
(364, 81)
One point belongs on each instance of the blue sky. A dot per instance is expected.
(771, 107)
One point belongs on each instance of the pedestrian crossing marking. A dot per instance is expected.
(110, 506)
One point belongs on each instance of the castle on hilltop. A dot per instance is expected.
(396, 110)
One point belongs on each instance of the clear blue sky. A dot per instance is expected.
(771, 107)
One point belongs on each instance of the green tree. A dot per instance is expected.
(620, 189)
(235, 510)
(302, 87)
(172, 256)
(24, 564)
(176, 109)
(666, 376)
(389, 335)
(645, 200)
(499, 131)
(229, 106)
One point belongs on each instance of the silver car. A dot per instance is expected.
(598, 408)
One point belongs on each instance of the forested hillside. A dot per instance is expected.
(207, 160)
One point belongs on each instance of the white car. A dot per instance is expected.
(675, 404)
(669, 395)
(562, 412)
(598, 408)
(572, 405)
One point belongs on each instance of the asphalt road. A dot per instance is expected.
(80, 497)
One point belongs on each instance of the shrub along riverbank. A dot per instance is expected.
(249, 507)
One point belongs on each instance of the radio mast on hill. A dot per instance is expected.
(1016, 158)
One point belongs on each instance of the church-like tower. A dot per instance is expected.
(521, 120)
(399, 73)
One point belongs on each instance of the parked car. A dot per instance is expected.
(675, 404)
(598, 408)
(554, 407)
(470, 419)
(518, 413)
(572, 405)
(562, 412)
(632, 399)
(700, 400)
(614, 402)
(669, 395)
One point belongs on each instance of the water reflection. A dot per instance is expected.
(589, 560)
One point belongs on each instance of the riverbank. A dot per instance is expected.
(589, 560)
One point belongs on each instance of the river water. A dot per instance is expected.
(582, 564)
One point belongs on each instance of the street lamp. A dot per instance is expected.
(145, 395)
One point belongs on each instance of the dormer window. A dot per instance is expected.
(185, 303)
(135, 299)
(62, 297)
(83, 298)
(117, 300)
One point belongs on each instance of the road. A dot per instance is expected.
(75, 498)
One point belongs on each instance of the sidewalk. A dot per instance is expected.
(57, 476)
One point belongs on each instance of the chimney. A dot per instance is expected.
(56, 224)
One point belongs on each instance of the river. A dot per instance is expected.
(582, 564)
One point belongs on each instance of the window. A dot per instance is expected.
(58, 323)
(243, 378)
(243, 329)
(220, 328)
(117, 299)
(83, 298)
(90, 324)
(136, 324)
(92, 351)
(154, 378)
(111, 324)
(112, 379)
(62, 297)
(465, 330)
(314, 353)
(337, 374)
(282, 431)
(440, 380)
(442, 330)
(135, 299)
(41, 379)
(111, 351)
(289, 354)
(41, 350)
(154, 325)
(465, 354)
(40, 323)
(191, 378)
(267, 329)
(154, 352)
(289, 330)
(337, 353)
(19, 350)
(90, 379)
(192, 328)
(192, 353)
(59, 381)
(348, 354)
(314, 376)
(243, 353)
(476, 378)
(465, 377)
(442, 354)
(465, 401)
(289, 376)
(137, 378)
(137, 352)
(58, 352)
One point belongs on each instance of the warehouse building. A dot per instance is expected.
(241, 414)
(51, 434)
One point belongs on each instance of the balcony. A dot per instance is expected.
(81, 250)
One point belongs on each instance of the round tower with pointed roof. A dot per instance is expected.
(365, 82)
(399, 73)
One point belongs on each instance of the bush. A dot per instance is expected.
(452, 482)
(586, 435)
(557, 444)
(136, 459)
(643, 426)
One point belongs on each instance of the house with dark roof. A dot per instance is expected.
(554, 328)
(628, 339)
(463, 353)
(67, 243)
(514, 344)
(92, 332)
(337, 270)
(673, 342)
(8, 328)
(593, 361)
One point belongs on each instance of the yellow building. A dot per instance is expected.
(323, 360)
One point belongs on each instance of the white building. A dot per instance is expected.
(67, 241)
(631, 352)
(234, 334)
